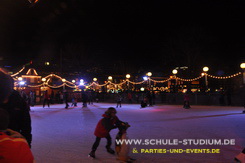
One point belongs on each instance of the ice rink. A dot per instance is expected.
(66, 135)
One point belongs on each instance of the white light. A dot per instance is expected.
(205, 69)
(202, 74)
(47, 63)
(20, 78)
(149, 74)
(81, 83)
(142, 89)
(43, 79)
(175, 71)
(145, 78)
(95, 79)
(128, 76)
(73, 81)
(242, 65)
(81, 80)
(63, 80)
(22, 83)
(109, 77)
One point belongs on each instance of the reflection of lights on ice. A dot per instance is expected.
(22, 83)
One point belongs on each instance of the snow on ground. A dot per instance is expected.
(66, 135)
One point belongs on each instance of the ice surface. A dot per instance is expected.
(66, 135)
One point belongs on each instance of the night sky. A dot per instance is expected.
(126, 36)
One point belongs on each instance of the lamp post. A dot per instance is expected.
(94, 85)
(63, 80)
(205, 70)
(149, 74)
(175, 72)
(243, 73)
(127, 78)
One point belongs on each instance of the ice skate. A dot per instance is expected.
(111, 151)
(92, 154)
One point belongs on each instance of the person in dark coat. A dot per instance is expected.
(15, 105)
(46, 99)
(66, 99)
(119, 101)
(32, 98)
(84, 98)
(103, 128)
(186, 101)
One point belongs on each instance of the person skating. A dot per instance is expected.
(143, 103)
(66, 99)
(186, 101)
(74, 101)
(103, 128)
(84, 98)
(32, 98)
(46, 99)
(119, 101)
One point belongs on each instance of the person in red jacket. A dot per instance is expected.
(103, 128)
(13, 146)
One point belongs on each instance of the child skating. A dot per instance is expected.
(103, 128)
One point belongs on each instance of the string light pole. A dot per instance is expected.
(175, 72)
(205, 70)
(149, 74)
(243, 73)
(127, 79)
(94, 86)
(63, 80)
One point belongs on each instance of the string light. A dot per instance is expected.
(162, 81)
(72, 84)
(136, 82)
(18, 72)
(189, 80)
(224, 77)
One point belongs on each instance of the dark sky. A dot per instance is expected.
(153, 35)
